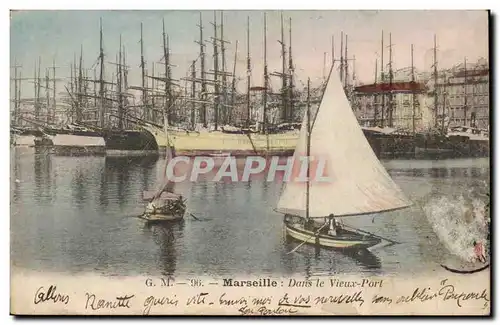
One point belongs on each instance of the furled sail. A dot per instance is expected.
(357, 181)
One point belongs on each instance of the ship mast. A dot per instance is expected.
(266, 78)
(283, 74)
(203, 82)
(193, 93)
(346, 65)
(435, 84)
(101, 79)
(413, 99)
(233, 83)
(290, 71)
(391, 79)
(224, 75)
(308, 145)
(119, 81)
(145, 115)
(216, 74)
(382, 81)
(248, 72)
(465, 91)
(375, 98)
(47, 96)
(341, 56)
(79, 113)
(54, 91)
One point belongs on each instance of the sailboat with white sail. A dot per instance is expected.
(164, 204)
(358, 183)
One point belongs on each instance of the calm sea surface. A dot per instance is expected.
(74, 215)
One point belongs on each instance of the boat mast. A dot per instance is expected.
(168, 93)
(266, 78)
(47, 96)
(308, 145)
(203, 81)
(216, 74)
(119, 82)
(391, 79)
(382, 81)
(193, 93)
(375, 97)
(346, 65)
(145, 114)
(233, 83)
(465, 91)
(283, 74)
(341, 56)
(413, 98)
(435, 83)
(444, 108)
(101, 78)
(54, 91)
(80, 81)
(290, 71)
(223, 62)
(248, 72)
(16, 98)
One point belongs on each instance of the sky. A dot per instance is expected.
(59, 35)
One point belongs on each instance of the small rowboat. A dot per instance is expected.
(168, 207)
(345, 239)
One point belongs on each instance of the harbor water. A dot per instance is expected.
(78, 215)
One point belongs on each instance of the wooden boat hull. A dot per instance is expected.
(159, 217)
(347, 240)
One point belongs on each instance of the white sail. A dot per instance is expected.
(358, 183)
(166, 185)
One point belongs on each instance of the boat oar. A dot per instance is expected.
(314, 235)
(194, 217)
(373, 235)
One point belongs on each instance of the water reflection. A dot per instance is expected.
(165, 236)
(84, 223)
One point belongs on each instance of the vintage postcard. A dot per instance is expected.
(232, 162)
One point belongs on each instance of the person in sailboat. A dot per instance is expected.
(334, 229)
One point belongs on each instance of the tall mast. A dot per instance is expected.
(193, 93)
(375, 98)
(346, 65)
(16, 99)
(341, 56)
(266, 78)
(290, 71)
(203, 82)
(19, 98)
(80, 82)
(145, 115)
(283, 74)
(248, 72)
(308, 144)
(119, 82)
(39, 85)
(47, 95)
(223, 62)
(465, 91)
(216, 74)
(391, 77)
(168, 84)
(382, 80)
(233, 83)
(413, 91)
(54, 90)
(435, 83)
(101, 79)
(444, 107)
